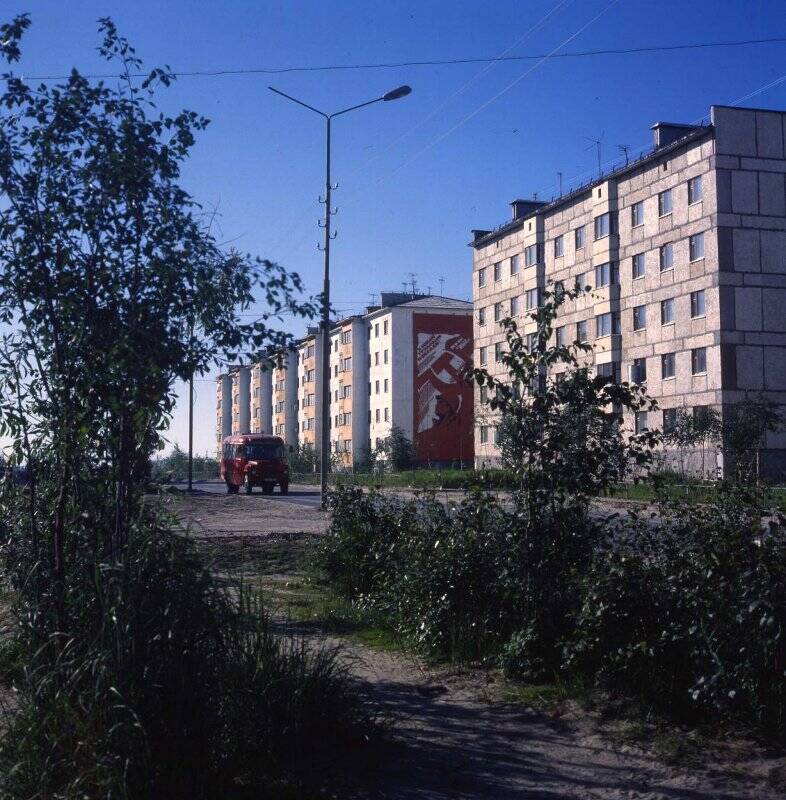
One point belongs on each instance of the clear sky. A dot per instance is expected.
(417, 174)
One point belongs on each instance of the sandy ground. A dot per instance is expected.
(452, 737)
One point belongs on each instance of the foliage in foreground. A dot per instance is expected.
(167, 684)
(686, 614)
(460, 581)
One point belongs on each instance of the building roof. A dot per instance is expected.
(435, 301)
(482, 237)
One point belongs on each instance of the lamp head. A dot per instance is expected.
(395, 94)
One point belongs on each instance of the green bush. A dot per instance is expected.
(458, 581)
(167, 684)
(690, 615)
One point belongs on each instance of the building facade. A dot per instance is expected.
(418, 350)
(285, 394)
(241, 399)
(262, 396)
(685, 253)
(348, 398)
(400, 364)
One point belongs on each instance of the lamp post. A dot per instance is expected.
(324, 444)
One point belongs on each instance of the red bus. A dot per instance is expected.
(254, 459)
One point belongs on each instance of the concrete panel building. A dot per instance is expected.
(223, 409)
(262, 396)
(285, 395)
(241, 399)
(685, 251)
(348, 396)
(309, 395)
(417, 351)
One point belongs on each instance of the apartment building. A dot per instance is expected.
(401, 363)
(285, 397)
(685, 251)
(309, 393)
(348, 398)
(241, 399)
(418, 349)
(262, 396)
(223, 409)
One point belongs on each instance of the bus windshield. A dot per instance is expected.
(264, 451)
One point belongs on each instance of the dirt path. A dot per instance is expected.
(451, 735)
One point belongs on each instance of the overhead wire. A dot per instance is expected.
(436, 62)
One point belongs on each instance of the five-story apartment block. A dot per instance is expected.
(685, 253)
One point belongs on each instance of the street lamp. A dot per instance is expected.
(324, 444)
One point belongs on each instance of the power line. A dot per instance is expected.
(434, 62)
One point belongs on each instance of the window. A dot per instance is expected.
(531, 255)
(484, 434)
(385, 356)
(484, 394)
(611, 371)
(603, 226)
(483, 356)
(667, 311)
(532, 297)
(559, 336)
(377, 415)
(376, 387)
(376, 329)
(696, 247)
(698, 360)
(638, 370)
(640, 422)
(639, 318)
(481, 316)
(664, 203)
(497, 312)
(637, 214)
(369, 388)
(385, 386)
(335, 371)
(385, 327)
(581, 331)
(580, 237)
(347, 418)
(387, 415)
(498, 352)
(695, 192)
(346, 337)
(605, 274)
(698, 304)
(606, 324)
(666, 257)
(514, 265)
(347, 445)
(559, 247)
(498, 271)
(482, 277)
(668, 366)
(638, 269)
(514, 306)
(581, 281)
(701, 416)
(376, 359)
(532, 342)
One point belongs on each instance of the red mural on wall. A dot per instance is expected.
(443, 396)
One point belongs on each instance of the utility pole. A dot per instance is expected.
(324, 441)
(191, 412)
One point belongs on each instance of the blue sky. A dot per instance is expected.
(415, 175)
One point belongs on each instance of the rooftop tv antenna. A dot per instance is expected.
(559, 177)
(624, 148)
(598, 146)
(413, 281)
(441, 286)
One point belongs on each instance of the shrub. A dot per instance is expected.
(458, 581)
(690, 615)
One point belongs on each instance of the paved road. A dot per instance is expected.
(299, 494)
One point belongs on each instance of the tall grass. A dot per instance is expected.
(167, 683)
